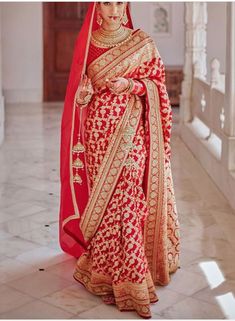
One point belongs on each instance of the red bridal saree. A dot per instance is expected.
(120, 218)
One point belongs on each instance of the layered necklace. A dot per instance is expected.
(111, 38)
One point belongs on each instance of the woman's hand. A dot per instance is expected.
(117, 85)
(84, 91)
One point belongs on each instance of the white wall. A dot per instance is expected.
(22, 51)
(216, 34)
(171, 48)
(2, 114)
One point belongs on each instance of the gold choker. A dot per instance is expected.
(111, 38)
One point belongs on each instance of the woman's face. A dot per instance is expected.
(111, 12)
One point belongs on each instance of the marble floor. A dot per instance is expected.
(36, 276)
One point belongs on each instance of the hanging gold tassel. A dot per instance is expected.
(78, 163)
(77, 179)
(78, 148)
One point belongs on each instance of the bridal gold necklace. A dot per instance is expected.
(111, 38)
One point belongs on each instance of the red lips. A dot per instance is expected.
(114, 17)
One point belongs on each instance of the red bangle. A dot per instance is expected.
(138, 88)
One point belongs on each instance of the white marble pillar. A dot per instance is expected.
(195, 53)
(228, 144)
(2, 115)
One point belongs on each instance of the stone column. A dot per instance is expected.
(2, 115)
(195, 53)
(228, 144)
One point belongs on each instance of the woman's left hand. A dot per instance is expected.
(84, 91)
(117, 85)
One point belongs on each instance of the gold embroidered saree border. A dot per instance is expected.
(128, 296)
(155, 229)
(111, 168)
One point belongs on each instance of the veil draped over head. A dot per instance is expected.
(70, 235)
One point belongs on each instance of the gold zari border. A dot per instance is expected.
(159, 181)
(128, 296)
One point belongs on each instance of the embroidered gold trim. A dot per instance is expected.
(128, 296)
(155, 230)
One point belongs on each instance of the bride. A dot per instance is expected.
(118, 213)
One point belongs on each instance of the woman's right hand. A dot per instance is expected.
(84, 91)
(117, 85)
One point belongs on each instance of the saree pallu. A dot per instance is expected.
(130, 222)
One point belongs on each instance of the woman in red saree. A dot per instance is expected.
(118, 213)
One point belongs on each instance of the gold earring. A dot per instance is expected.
(99, 19)
(124, 18)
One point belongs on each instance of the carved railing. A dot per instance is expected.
(208, 104)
